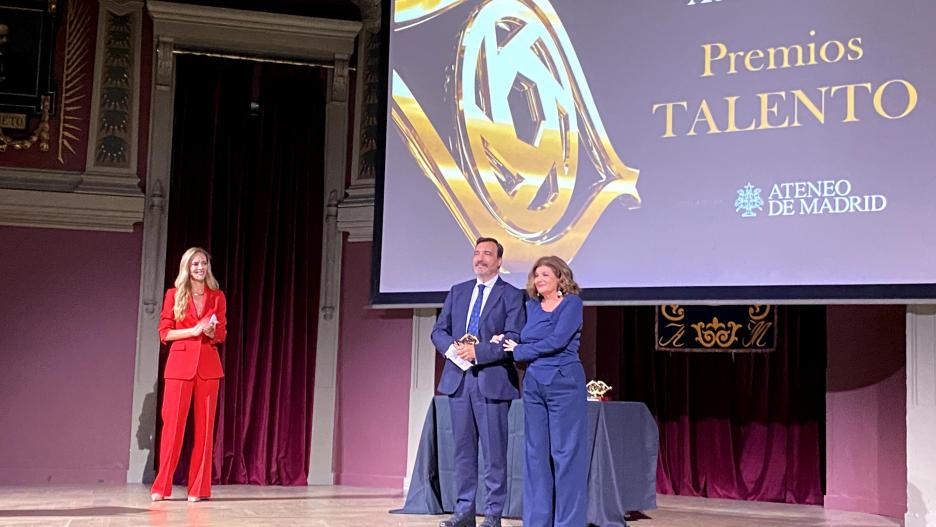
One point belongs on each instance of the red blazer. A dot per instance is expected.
(199, 354)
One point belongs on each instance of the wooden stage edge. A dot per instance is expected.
(341, 506)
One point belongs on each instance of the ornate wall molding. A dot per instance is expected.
(356, 210)
(251, 32)
(113, 142)
(356, 214)
(58, 210)
(164, 63)
(370, 14)
(422, 384)
(326, 353)
(368, 115)
(114, 121)
(921, 418)
(921, 356)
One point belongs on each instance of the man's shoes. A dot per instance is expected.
(464, 520)
(491, 521)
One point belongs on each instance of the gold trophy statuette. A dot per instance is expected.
(468, 338)
(597, 390)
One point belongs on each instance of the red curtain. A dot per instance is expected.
(749, 426)
(247, 184)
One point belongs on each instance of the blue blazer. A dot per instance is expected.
(503, 314)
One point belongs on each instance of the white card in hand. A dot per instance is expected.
(452, 355)
(213, 320)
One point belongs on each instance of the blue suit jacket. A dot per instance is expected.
(503, 314)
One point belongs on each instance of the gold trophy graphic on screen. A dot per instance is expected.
(508, 166)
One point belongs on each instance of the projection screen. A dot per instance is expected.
(668, 149)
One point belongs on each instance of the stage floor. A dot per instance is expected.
(337, 506)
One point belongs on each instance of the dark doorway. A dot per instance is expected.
(247, 185)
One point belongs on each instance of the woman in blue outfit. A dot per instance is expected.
(554, 398)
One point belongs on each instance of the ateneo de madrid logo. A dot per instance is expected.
(525, 124)
(749, 198)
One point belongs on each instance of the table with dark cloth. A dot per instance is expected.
(622, 440)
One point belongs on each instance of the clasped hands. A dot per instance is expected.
(467, 351)
(204, 327)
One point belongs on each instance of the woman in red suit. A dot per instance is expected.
(193, 320)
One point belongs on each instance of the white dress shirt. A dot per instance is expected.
(488, 286)
(474, 296)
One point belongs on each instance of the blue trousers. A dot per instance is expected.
(475, 418)
(556, 470)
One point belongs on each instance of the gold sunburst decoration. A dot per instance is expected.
(74, 76)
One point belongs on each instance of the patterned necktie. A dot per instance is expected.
(474, 320)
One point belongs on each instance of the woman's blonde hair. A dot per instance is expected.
(567, 285)
(183, 283)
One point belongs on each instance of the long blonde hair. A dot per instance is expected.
(567, 285)
(184, 284)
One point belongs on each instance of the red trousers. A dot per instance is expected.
(177, 397)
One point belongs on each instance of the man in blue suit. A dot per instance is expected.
(480, 390)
